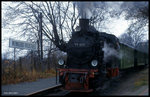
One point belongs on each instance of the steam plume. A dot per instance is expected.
(109, 52)
(85, 9)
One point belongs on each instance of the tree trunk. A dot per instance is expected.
(49, 52)
(38, 43)
(20, 63)
(31, 61)
(135, 59)
(34, 63)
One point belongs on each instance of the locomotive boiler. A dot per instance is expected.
(87, 65)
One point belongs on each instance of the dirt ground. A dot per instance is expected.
(133, 83)
(136, 84)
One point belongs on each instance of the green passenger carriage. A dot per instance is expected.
(130, 57)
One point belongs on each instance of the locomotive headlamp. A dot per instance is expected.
(94, 63)
(61, 62)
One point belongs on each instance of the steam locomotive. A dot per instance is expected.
(85, 59)
(89, 63)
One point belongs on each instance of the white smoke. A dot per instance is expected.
(85, 9)
(110, 52)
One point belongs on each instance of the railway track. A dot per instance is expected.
(51, 91)
(58, 91)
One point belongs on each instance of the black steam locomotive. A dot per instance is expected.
(86, 68)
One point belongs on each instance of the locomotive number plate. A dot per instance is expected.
(79, 44)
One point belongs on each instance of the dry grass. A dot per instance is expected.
(142, 79)
(11, 77)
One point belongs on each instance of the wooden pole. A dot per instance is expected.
(40, 31)
(40, 38)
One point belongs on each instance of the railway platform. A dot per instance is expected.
(27, 88)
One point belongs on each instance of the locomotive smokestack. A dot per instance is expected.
(84, 24)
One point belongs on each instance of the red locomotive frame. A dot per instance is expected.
(78, 87)
(84, 73)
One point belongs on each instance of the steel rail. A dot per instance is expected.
(43, 91)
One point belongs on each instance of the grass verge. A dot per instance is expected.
(11, 77)
(142, 79)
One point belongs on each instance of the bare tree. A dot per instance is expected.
(56, 18)
(143, 46)
(136, 10)
(138, 14)
(133, 39)
(57, 26)
(100, 17)
(126, 38)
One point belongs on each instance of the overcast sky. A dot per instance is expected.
(117, 27)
